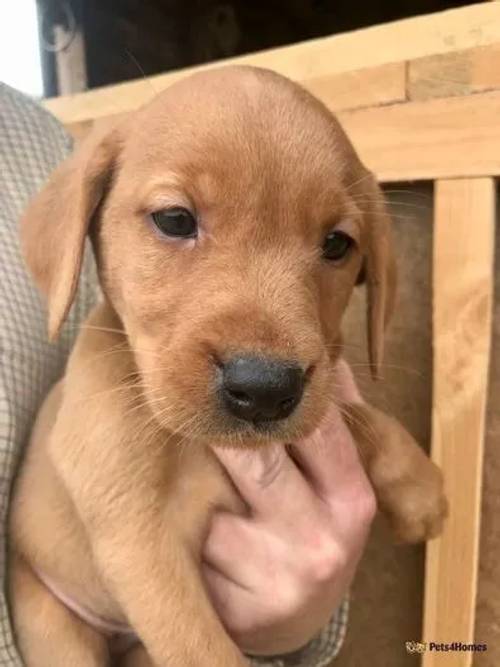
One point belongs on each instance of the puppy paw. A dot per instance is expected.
(408, 485)
(416, 507)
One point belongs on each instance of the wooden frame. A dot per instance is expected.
(420, 99)
(462, 310)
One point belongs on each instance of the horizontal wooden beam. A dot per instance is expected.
(442, 138)
(463, 257)
(458, 73)
(362, 88)
(372, 87)
(456, 29)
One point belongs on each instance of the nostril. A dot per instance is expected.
(238, 395)
(287, 403)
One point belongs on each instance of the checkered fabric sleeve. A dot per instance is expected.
(321, 651)
(32, 143)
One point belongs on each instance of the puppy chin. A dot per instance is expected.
(248, 435)
(214, 428)
(225, 431)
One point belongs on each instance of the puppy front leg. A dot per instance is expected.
(47, 633)
(408, 485)
(157, 582)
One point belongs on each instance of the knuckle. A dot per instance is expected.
(327, 558)
(287, 602)
(368, 506)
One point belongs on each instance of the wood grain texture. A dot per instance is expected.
(457, 73)
(351, 90)
(442, 138)
(487, 627)
(456, 29)
(362, 88)
(464, 226)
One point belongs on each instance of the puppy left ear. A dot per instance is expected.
(380, 274)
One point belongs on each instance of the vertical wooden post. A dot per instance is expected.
(462, 305)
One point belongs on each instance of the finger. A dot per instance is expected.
(330, 459)
(267, 479)
(235, 548)
(237, 608)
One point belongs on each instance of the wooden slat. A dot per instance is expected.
(456, 29)
(349, 90)
(443, 138)
(371, 87)
(462, 292)
(457, 73)
(362, 88)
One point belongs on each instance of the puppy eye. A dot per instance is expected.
(177, 222)
(337, 245)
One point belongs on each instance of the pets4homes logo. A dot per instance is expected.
(452, 647)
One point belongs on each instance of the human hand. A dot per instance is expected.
(277, 575)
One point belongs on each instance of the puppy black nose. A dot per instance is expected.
(258, 389)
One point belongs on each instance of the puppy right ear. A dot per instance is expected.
(361, 279)
(55, 224)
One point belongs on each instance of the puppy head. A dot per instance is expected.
(230, 219)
